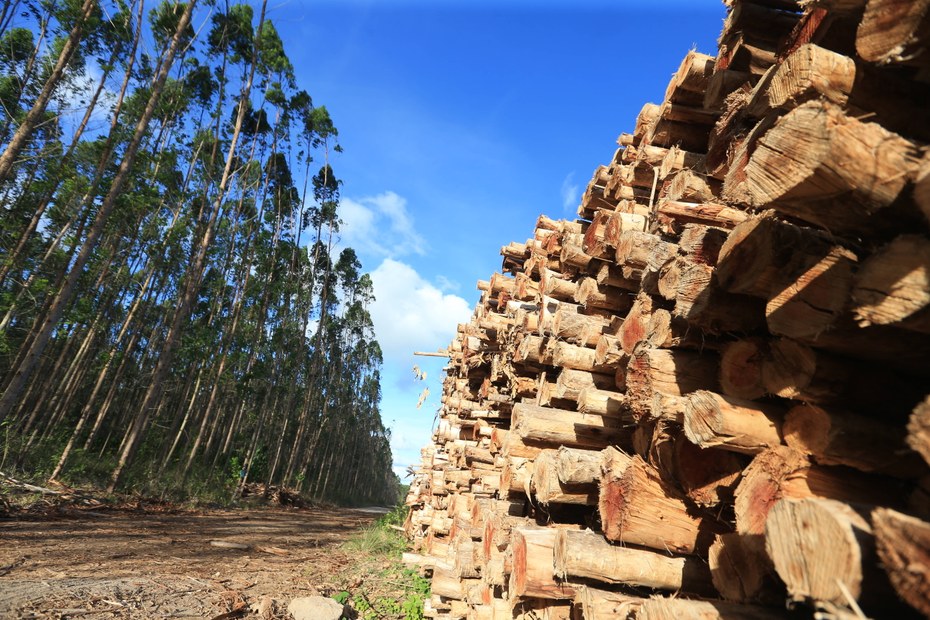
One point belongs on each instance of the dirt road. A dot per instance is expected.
(143, 564)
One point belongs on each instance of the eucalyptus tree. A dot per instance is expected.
(170, 297)
(65, 294)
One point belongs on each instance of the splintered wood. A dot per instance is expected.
(707, 397)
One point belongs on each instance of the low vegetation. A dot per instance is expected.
(377, 586)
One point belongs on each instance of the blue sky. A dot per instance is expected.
(461, 123)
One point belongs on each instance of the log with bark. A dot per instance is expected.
(824, 551)
(892, 286)
(843, 438)
(548, 487)
(895, 33)
(819, 165)
(742, 571)
(743, 426)
(658, 608)
(555, 427)
(804, 276)
(599, 604)
(533, 574)
(636, 506)
(903, 544)
(587, 555)
(783, 472)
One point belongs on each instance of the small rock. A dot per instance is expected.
(315, 608)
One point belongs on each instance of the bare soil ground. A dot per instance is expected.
(157, 562)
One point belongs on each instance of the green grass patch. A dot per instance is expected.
(379, 586)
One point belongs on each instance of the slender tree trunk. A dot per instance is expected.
(24, 131)
(62, 300)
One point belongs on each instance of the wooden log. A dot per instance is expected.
(598, 604)
(592, 295)
(562, 427)
(722, 83)
(821, 166)
(667, 331)
(688, 84)
(648, 116)
(609, 352)
(708, 476)
(565, 355)
(903, 544)
(549, 489)
(464, 550)
(922, 187)
(709, 213)
(809, 72)
(571, 382)
(670, 371)
(784, 472)
(594, 236)
(609, 274)
(619, 222)
(918, 430)
(532, 349)
(638, 507)
(688, 186)
(724, 146)
(700, 300)
(893, 285)
(445, 583)
(517, 475)
(743, 426)
(556, 287)
(741, 570)
(676, 158)
(636, 326)
(741, 368)
(689, 135)
(605, 403)
(578, 467)
(540, 609)
(587, 555)
(643, 250)
(805, 277)
(895, 33)
(572, 252)
(532, 574)
(824, 551)
(843, 438)
(658, 608)
(793, 370)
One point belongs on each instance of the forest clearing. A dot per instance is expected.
(151, 560)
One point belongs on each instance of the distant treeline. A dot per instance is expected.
(172, 314)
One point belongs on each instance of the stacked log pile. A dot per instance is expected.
(708, 396)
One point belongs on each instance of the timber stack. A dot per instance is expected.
(707, 397)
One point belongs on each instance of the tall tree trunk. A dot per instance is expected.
(63, 298)
(24, 131)
(192, 284)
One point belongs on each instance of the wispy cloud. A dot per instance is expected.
(570, 192)
(380, 226)
(410, 313)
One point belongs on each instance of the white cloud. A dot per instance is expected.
(380, 226)
(411, 314)
(569, 192)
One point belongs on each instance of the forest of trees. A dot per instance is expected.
(174, 317)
